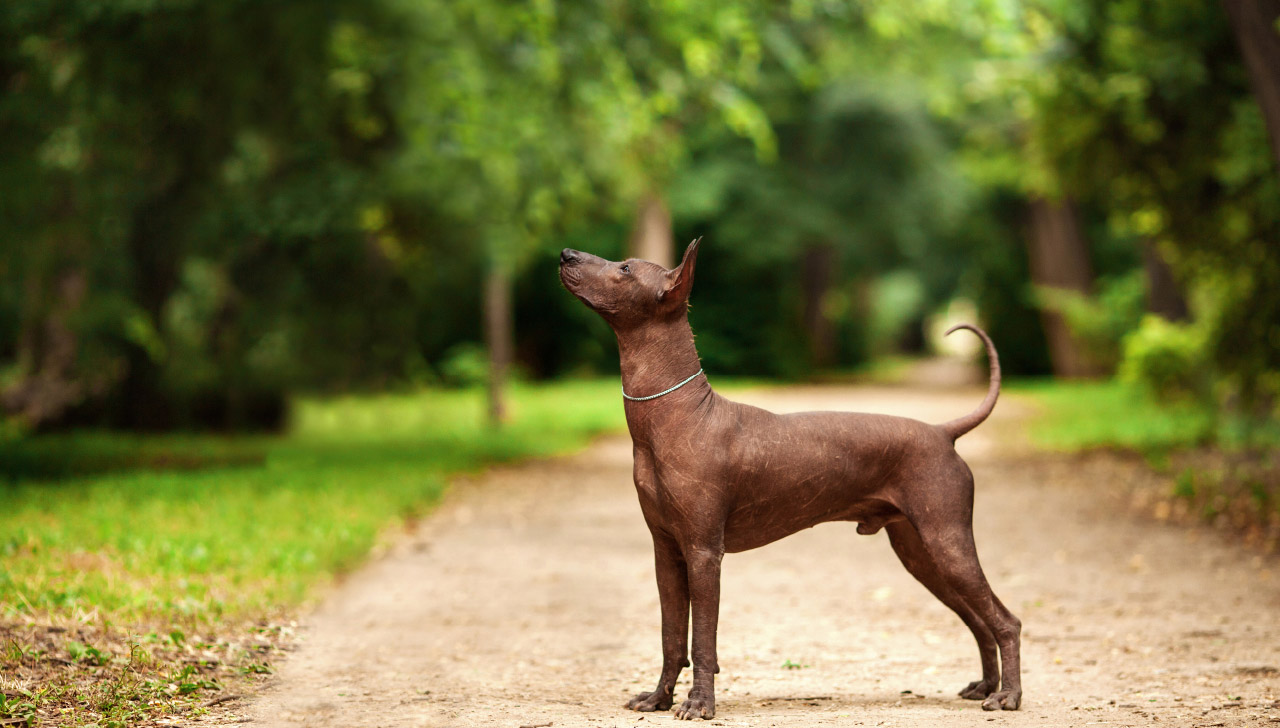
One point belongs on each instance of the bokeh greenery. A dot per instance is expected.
(213, 204)
(196, 529)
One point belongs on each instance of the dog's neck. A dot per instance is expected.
(658, 355)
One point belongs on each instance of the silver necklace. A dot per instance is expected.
(663, 392)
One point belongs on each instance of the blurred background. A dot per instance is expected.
(272, 273)
(207, 207)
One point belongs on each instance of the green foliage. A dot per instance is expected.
(854, 170)
(898, 304)
(87, 654)
(745, 316)
(198, 167)
(1170, 359)
(1143, 109)
(17, 709)
(522, 120)
(465, 364)
(1185, 484)
(217, 203)
(1140, 112)
(226, 541)
(306, 196)
(1101, 322)
(998, 282)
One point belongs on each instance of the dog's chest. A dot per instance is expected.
(666, 484)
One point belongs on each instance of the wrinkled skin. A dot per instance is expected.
(716, 477)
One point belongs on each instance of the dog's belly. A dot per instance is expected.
(814, 470)
(764, 522)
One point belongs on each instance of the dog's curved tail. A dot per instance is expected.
(959, 426)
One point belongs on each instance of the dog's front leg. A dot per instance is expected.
(673, 594)
(704, 588)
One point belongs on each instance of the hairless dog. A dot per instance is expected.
(717, 477)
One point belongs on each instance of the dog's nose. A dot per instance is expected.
(568, 255)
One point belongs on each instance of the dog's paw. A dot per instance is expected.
(649, 702)
(977, 690)
(704, 708)
(1003, 700)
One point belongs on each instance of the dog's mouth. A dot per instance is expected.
(570, 277)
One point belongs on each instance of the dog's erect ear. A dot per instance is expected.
(680, 278)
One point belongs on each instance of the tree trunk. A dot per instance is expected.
(651, 239)
(1254, 24)
(498, 333)
(1163, 297)
(1059, 258)
(818, 263)
(47, 351)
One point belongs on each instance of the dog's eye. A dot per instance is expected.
(625, 269)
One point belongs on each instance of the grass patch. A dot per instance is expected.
(85, 453)
(86, 675)
(1214, 470)
(130, 532)
(136, 573)
(1085, 415)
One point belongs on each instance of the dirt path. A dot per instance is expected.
(529, 599)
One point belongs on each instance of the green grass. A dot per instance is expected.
(101, 526)
(1216, 469)
(1084, 415)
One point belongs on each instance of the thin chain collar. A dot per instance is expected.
(663, 392)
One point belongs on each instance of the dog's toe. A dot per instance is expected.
(1003, 700)
(977, 690)
(649, 702)
(696, 708)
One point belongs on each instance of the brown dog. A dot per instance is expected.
(716, 476)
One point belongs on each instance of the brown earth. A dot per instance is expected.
(528, 598)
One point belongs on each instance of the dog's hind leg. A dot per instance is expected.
(950, 546)
(906, 543)
(673, 594)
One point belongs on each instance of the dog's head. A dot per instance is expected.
(630, 292)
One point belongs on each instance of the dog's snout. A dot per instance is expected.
(568, 256)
